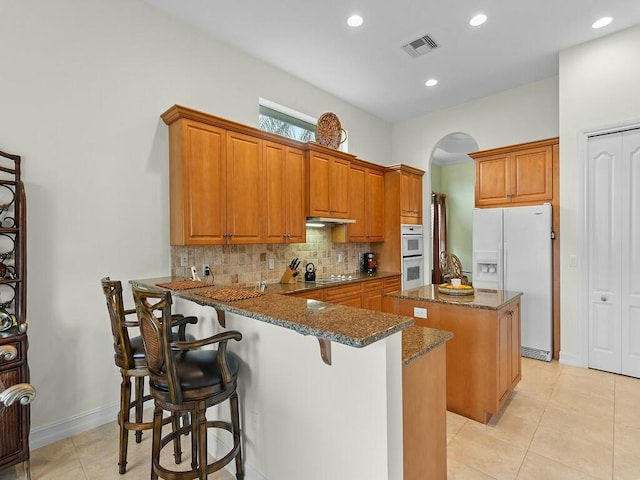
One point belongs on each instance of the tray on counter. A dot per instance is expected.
(462, 290)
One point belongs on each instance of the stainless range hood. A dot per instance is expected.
(322, 221)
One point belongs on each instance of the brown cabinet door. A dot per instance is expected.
(375, 206)
(295, 169)
(358, 204)
(273, 156)
(319, 166)
(339, 188)
(284, 170)
(328, 186)
(198, 186)
(493, 180)
(245, 187)
(531, 175)
(366, 205)
(515, 336)
(504, 357)
(372, 295)
(410, 195)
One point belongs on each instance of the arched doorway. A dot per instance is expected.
(452, 175)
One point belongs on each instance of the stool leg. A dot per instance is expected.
(194, 441)
(139, 401)
(155, 444)
(123, 419)
(235, 423)
(177, 448)
(202, 440)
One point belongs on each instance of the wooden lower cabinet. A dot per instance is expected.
(483, 358)
(424, 416)
(14, 421)
(349, 295)
(372, 295)
(369, 294)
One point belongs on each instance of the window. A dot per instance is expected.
(280, 120)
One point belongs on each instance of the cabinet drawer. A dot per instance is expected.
(337, 293)
(13, 347)
(392, 285)
(372, 285)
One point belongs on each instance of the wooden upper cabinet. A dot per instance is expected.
(366, 206)
(245, 189)
(285, 175)
(197, 187)
(521, 174)
(410, 195)
(216, 185)
(328, 191)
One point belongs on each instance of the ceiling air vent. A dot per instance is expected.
(420, 46)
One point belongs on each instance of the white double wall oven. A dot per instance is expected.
(412, 256)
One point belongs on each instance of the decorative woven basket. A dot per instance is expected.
(329, 132)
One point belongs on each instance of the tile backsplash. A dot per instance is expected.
(247, 264)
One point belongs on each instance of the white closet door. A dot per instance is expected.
(614, 252)
(630, 293)
(605, 280)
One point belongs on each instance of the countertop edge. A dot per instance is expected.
(240, 309)
(417, 341)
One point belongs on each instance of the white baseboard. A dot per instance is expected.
(41, 436)
(572, 360)
(217, 445)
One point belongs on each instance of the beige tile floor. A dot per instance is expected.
(561, 422)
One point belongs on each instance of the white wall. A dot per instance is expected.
(82, 88)
(599, 87)
(519, 115)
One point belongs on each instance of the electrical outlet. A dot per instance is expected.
(272, 264)
(340, 258)
(419, 312)
(184, 260)
(205, 270)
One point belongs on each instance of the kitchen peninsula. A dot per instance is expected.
(303, 418)
(483, 358)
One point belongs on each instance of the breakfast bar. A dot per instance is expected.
(304, 411)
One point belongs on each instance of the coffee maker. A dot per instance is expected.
(369, 263)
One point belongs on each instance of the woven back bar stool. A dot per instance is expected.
(184, 378)
(130, 359)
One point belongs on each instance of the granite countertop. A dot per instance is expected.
(327, 321)
(416, 341)
(487, 299)
(301, 285)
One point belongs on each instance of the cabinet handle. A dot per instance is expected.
(603, 298)
(225, 235)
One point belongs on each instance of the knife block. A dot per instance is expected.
(288, 276)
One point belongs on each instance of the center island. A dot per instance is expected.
(321, 385)
(483, 358)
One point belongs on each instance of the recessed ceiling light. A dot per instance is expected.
(478, 20)
(602, 22)
(431, 82)
(354, 21)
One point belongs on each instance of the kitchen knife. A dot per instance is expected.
(295, 267)
(293, 262)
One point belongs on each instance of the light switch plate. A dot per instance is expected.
(419, 312)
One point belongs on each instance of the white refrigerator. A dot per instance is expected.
(512, 251)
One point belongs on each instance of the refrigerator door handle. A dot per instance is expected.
(501, 265)
(503, 277)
